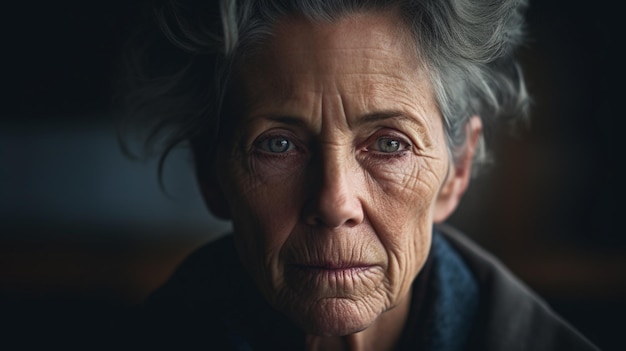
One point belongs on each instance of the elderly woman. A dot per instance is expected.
(338, 136)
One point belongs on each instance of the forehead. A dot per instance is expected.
(365, 56)
(376, 31)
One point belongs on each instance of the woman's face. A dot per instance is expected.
(333, 172)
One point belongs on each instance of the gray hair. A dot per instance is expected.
(177, 93)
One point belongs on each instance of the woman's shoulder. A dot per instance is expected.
(192, 305)
(511, 315)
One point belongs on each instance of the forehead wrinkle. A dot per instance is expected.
(367, 109)
(281, 99)
(333, 34)
(357, 36)
(380, 77)
(276, 91)
(334, 114)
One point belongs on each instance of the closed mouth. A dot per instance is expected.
(334, 267)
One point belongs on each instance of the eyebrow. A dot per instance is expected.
(285, 119)
(381, 116)
(369, 118)
(395, 115)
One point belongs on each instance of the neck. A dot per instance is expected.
(383, 334)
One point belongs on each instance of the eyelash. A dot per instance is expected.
(258, 145)
(405, 146)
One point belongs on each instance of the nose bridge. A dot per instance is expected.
(334, 169)
(336, 199)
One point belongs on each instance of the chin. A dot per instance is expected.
(336, 317)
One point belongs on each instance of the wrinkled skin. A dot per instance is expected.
(335, 174)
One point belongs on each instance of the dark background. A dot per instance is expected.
(86, 233)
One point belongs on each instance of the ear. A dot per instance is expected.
(459, 173)
(211, 189)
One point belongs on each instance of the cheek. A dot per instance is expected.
(405, 188)
(264, 202)
(402, 195)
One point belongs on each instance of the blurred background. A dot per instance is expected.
(86, 233)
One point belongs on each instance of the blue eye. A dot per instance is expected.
(277, 145)
(388, 145)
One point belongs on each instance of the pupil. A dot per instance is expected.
(389, 145)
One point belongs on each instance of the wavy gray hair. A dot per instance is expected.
(178, 86)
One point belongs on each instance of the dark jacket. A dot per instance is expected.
(511, 316)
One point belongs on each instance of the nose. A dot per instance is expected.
(334, 198)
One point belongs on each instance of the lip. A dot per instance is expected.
(331, 278)
(334, 267)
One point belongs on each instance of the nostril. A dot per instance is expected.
(352, 222)
(343, 213)
(333, 198)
